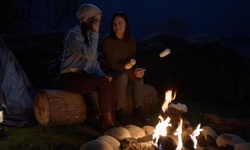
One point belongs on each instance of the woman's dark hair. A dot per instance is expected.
(84, 28)
(127, 30)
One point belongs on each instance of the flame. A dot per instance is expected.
(196, 133)
(168, 98)
(178, 132)
(161, 129)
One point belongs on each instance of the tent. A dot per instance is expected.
(16, 93)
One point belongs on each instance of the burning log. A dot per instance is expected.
(165, 143)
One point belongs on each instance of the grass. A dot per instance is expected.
(72, 137)
(41, 137)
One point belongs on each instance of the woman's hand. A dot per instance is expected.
(139, 72)
(96, 26)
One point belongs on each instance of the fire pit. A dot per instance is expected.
(172, 132)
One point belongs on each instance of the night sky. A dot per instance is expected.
(185, 18)
(221, 18)
(216, 18)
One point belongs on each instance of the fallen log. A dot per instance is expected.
(242, 124)
(55, 107)
(229, 125)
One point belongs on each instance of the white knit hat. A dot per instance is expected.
(86, 11)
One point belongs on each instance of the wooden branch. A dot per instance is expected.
(229, 125)
(241, 124)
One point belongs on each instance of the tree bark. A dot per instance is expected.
(55, 107)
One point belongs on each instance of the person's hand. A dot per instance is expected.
(139, 72)
(108, 77)
(96, 26)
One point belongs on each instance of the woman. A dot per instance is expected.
(119, 47)
(80, 71)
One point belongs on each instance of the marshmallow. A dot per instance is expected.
(164, 53)
(130, 64)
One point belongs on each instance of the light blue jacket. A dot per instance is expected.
(78, 54)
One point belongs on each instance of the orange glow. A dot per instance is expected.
(161, 129)
(178, 133)
(168, 98)
(196, 133)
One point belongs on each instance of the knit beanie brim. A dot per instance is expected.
(86, 11)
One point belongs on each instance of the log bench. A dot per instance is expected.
(55, 107)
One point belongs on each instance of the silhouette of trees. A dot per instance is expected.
(37, 15)
(12, 16)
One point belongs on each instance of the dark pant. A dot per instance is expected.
(122, 80)
(84, 83)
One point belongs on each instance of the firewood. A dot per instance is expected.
(229, 125)
(55, 107)
(229, 122)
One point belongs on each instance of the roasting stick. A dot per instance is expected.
(132, 62)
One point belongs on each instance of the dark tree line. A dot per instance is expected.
(20, 16)
(12, 17)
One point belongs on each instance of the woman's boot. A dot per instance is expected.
(120, 116)
(109, 121)
(138, 113)
(108, 117)
(116, 121)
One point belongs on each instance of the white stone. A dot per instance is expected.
(135, 131)
(148, 129)
(111, 140)
(96, 145)
(228, 139)
(119, 133)
(179, 106)
(209, 131)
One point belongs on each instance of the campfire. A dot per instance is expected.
(161, 129)
(173, 131)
